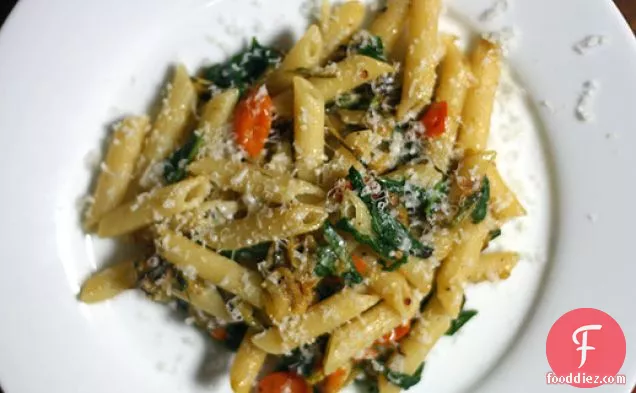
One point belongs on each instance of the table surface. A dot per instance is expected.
(628, 7)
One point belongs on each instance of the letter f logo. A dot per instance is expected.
(583, 344)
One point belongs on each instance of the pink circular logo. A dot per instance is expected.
(585, 347)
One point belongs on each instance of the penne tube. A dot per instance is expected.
(266, 225)
(169, 129)
(422, 58)
(210, 266)
(456, 267)
(455, 79)
(109, 283)
(309, 130)
(247, 178)
(317, 320)
(503, 202)
(470, 173)
(359, 334)
(117, 169)
(414, 349)
(305, 54)
(394, 290)
(351, 72)
(389, 24)
(344, 20)
(493, 266)
(486, 66)
(205, 298)
(422, 175)
(247, 364)
(154, 206)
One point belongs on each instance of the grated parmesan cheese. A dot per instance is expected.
(583, 109)
(506, 38)
(589, 43)
(495, 11)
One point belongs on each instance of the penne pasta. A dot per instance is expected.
(246, 178)
(265, 225)
(423, 175)
(247, 364)
(309, 130)
(470, 173)
(212, 267)
(389, 24)
(394, 290)
(344, 20)
(169, 128)
(348, 340)
(504, 203)
(455, 79)
(205, 298)
(350, 73)
(118, 168)
(154, 206)
(424, 334)
(422, 57)
(456, 267)
(486, 66)
(306, 54)
(109, 283)
(319, 319)
(493, 266)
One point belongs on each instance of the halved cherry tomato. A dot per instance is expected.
(397, 333)
(219, 334)
(335, 381)
(360, 264)
(283, 382)
(253, 121)
(434, 119)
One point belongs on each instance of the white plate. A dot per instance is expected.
(69, 68)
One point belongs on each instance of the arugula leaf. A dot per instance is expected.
(436, 197)
(244, 68)
(336, 250)
(481, 207)
(463, 318)
(256, 253)
(326, 263)
(477, 202)
(174, 169)
(299, 361)
(495, 233)
(391, 239)
(366, 44)
(404, 381)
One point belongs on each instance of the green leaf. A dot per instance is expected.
(244, 68)
(461, 320)
(326, 262)
(368, 45)
(299, 361)
(256, 253)
(481, 207)
(495, 233)
(404, 381)
(391, 238)
(174, 169)
(367, 385)
(337, 247)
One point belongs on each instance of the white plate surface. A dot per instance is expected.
(69, 68)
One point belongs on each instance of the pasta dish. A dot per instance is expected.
(324, 207)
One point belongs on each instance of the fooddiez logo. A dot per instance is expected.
(585, 348)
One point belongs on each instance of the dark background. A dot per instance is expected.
(628, 7)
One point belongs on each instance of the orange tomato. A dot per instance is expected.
(253, 121)
(360, 264)
(335, 381)
(434, 119)
(282, 381)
